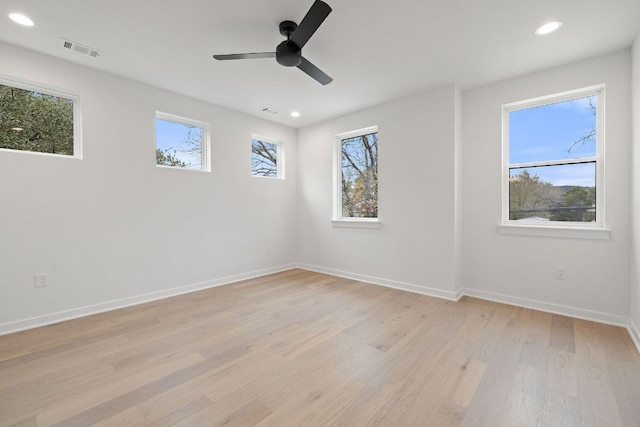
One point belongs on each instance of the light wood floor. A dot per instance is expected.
(300, 348)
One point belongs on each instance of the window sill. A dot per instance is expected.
(268, 178)
(356, 222)
(547, 231)
(181, 168)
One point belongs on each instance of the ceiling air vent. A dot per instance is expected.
(269, 110)
(85, 50)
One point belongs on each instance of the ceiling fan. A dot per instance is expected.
(289, 52)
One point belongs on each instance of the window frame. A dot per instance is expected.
(280, 156)
(337, 219)
(60, 93)
(570, 228)
(205, 144)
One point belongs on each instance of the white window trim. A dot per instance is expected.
(280, 163)
(206, 139)
(594, 230)
(49, 90)
(338, 220)
(555, 231)
(356, 222)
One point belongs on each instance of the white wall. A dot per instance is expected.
(635, 252)
(520, 269)
(415, 247)
(112, 228)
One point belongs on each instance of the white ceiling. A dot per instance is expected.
(376, 50)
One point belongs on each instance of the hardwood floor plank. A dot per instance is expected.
(525, 404)
(450, 407)
(460, 388)
(43, 362)
(562, 374)
(371, 406)
(562, 334)
(188, 405)
(535, 351)
(108, 398)
(29, 422)
(595, 389)
(625, 377)
(484, 343)
(129, 417)
(303, 348)
(562, 410)
(493, 394)
(250, 414)
(37, 395)
(315, 404)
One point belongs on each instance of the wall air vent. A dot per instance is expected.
(85, 50)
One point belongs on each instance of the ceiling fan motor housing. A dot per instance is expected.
(288, 54)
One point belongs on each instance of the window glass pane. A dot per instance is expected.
(360, 176)
(562, 130)
(553, 193)
(34, 121)
(178, 144)
(264, 159)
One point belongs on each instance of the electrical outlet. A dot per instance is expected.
(559, 273)
(40, 280)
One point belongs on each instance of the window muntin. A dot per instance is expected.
(267, 158)
(553, 171)
(356, 188)
(38, 120)
(181, 143)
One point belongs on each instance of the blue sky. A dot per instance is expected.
(170, 136)
(547, 132)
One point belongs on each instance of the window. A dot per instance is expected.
(356, 177)
(553, 160)
(181, 143)
(38, 120)
(267, 158)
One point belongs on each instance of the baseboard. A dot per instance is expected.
(595, 316)
(418, 289)
(48, 319)
(633, 330)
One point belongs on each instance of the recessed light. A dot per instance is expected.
(547, 28)
(295, 114)
(21, 19)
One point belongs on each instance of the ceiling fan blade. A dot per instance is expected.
(245, 56)
(310, 23)
(314, 72)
